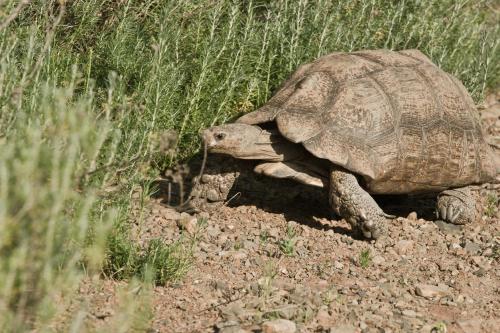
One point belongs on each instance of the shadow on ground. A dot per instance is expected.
(297, 202)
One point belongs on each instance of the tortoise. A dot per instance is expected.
(369, 122)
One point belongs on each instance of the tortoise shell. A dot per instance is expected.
(394, 118)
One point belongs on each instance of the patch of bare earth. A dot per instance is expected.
(276, 253)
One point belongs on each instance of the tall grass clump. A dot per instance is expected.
(88, 89)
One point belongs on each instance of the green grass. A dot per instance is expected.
(365, 258)
(287, 245)
(491, 205)
(90, 92)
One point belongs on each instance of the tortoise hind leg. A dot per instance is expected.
(353, 203)
(458, 206)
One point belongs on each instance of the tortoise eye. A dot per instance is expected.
(220, 136)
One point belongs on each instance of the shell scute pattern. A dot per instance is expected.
(393, 117)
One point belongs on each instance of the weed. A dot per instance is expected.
(287, 245)
(491, 205)
(439, 327)
(238, 245)
(365, 258)
(269, 272)
(264, 236)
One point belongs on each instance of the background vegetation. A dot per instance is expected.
(89, 90)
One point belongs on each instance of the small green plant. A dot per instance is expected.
(329, 296)
(165, 263)
(238, 245)
(365, 258)
(439, 327)
(491, 205)
(496, 252)
(269, 272)
(287, 245)
(264, 236)
(158, 263)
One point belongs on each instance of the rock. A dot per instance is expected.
(213, 231)
(239, 255)
(233, 329)
(188, 223)
(430, 291)
(324, 319)
(338, 265)
(377, 260)
(403, 246)
(472, 248)
(229, 323)
(343, 329)
(279, 326)
(169, 213)
(448, 228)
(235, 311)
(470, 325)
(409, 313)
(412, 216)
(481, 262)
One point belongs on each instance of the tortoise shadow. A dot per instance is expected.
(297, 202)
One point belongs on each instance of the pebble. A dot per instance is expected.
(377, 260)
(188, 223)
(472, 248)
(470, 325)
(169, 213)
(233, 329)
(448, 228)
(412, 216)
(403, 246)
(279, 326)
(343, 329)
(430, 291)
(324, 319)
(409, 313)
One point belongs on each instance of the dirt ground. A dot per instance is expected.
(275, 251)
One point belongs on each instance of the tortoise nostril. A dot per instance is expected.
(220, 136)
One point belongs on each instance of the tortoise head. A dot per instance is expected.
(246, 142)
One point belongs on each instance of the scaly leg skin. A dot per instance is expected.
(458, 206)
(350, 201)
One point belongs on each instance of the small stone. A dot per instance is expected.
(188, 223)
(343, 329)
(403, 246)
(481, 262)
(330, 233)
(213, 231)
(233, 329)
(338, 265)
(324, 319)
(377, 260)
(448, 228)
(412, 216)
(227, 324)
(279, 326)
(470, 325)
(480, 272)
(430, 291)
(472, 248)
(239, 255)
(488, 252)
(169, 213)
(409, 313)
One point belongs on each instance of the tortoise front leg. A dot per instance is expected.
(458, 206)
(353, 203)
